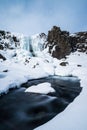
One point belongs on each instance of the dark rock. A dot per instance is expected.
(2, 32)
(81, 37)
(12, 39)
(81, 47)
(2, 57)
(59, 39)
(79, 65)
(79, 41)
(73, 41)
(43, 35)
(15, 39)
(5, 70)
(60, 43)
(1, 47)
(64, 63)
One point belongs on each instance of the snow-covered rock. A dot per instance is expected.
(43, 88)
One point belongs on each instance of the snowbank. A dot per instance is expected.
(74, 117)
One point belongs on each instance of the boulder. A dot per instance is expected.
(2, 57)
(64, 63)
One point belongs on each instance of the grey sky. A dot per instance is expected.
(35, 16)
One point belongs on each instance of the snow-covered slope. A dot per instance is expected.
(74, 117)
(26, 58)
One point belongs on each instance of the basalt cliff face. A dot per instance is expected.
(59, 43)
(62, 43)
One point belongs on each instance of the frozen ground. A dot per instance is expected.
(22, 67)
(74, 117)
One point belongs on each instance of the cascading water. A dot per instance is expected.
(25, 43)
(33, 44)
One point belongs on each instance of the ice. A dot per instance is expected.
(25, 43)
(33, 44)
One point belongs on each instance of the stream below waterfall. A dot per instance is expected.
(20, 110)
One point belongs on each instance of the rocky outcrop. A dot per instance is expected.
(43, 35)
(8, 40)
(58, 42)
(78, 41)
(61, 43)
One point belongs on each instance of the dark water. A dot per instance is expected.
(26, 111)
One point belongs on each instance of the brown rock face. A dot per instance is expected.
(81, 41)
(58, 42)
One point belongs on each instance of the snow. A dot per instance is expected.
(17, 74)
(43, 88)
(22, 66)
(73, 34)
(74, 117)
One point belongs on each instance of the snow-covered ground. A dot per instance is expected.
(74, 117)
(14, 72)
(21, 66)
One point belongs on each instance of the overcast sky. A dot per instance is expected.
(36, 16)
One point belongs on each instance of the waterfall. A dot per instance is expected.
(33, 44)
(25, 43)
